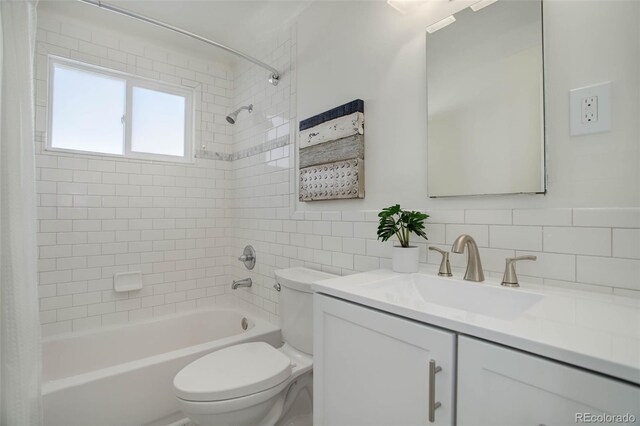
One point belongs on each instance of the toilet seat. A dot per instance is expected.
(233, 372)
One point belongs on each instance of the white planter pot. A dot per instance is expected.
(405, 259)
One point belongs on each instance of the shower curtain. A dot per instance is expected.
(20, 365)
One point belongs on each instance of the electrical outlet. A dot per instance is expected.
(590, 109)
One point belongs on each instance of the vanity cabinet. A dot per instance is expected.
(373, 368)
(376, 368)
(502, 386)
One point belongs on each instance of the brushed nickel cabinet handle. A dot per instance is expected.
(433, 404)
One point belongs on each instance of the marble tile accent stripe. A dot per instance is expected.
(244, 153)
(212, 155)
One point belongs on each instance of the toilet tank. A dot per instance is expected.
(296, 305)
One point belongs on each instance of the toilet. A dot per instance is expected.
(254, 383)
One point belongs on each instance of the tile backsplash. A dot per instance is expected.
(184, 226)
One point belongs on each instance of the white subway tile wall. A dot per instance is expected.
(185, 225)
(101, 215)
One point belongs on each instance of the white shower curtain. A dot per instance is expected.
(20, 364)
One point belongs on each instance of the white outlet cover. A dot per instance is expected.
(603, 123)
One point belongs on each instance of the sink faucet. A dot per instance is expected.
(510, 279)
(474, 266)
(445, 266)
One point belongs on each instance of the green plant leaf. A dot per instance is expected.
(387, 228)
(390, 211)
(401, 223)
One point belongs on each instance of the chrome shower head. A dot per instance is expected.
(231, 118)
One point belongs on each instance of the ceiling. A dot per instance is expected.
(238, 24)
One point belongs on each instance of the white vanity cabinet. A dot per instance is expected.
(502, 386)
(373, 368)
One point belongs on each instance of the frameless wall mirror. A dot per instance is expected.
(486, 102)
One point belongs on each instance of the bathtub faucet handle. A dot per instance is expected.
(248, 257)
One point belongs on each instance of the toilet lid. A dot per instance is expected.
(232, 372)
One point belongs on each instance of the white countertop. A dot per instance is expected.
(599, 332)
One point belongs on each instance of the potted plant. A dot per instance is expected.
(402, 223)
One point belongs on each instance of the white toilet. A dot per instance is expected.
(254, 383)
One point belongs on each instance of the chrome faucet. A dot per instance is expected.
(241, 283)
(474, 266)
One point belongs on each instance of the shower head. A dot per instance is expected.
(231, 118)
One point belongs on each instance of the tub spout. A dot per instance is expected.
(241, 283)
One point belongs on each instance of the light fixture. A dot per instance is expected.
(404, 6)
(441, 24)
(482, 4)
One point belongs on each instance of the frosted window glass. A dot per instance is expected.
(87, 111)
(158, 121)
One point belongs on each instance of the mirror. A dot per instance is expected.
(485, 91)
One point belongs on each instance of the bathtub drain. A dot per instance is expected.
(244, 323)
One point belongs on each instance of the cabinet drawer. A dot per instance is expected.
(502, 386)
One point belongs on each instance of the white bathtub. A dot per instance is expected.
(123, 375)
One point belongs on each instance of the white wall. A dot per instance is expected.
(585, 232)
(101, 215)
(349, 50)
(338, 52)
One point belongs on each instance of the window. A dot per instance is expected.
(94, 110)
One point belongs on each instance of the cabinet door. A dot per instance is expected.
(501, 386)
(372, 368)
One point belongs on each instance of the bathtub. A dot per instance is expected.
(124, 375)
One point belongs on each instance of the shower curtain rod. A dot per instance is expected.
(273, 79)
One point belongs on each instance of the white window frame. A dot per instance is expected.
(130, 81)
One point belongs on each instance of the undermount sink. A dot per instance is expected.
(478, 298)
